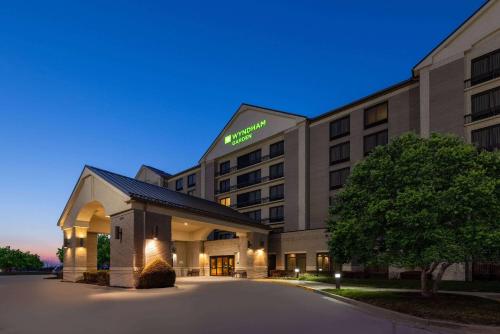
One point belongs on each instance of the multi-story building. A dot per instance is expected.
(281, 170)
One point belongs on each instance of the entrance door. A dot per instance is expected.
(221, 265)
(271, 263)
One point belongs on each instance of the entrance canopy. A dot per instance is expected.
(100, 193)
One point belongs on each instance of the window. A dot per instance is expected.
(485, 68)
(224, 167)
(191, 192)
(276, 149)
(323, 262)
(254, 215)
(340, 127)
(249, 198)
(224, 186)
(225, 201)
(485, 104)
(276, 171)
(295, 261)
(191, 180)
(277, 192)
(249, 159)
(487, 138)
(374, 140)
(276, 214)
(248, 179)
(165, 182)
(179, 184)
(339, 153)
(376, 115)
(338, 178)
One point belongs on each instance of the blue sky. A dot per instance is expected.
(117, 84)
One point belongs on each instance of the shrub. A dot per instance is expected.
(100, 277)
(157, 274)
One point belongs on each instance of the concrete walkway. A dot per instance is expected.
(322, 286)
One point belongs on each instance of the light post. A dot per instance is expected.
(337, 280)
(297, 270)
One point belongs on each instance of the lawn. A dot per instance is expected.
(445, 306)
(475, 286)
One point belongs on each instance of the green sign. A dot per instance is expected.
(245, 134)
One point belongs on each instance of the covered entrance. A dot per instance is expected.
(147, 222)
(222, 265)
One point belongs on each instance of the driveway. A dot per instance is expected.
(31, 304)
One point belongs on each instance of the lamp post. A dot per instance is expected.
(337, 280)
(297, 270)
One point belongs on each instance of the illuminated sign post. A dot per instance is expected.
(245, 134)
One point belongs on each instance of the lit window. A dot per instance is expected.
(225, 201)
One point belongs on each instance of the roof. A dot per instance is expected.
(437, 47)
(367, 98)
(150, 193)
(158, 171)
(185, 171)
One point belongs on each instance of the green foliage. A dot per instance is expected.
(60, 254)
(14, 259)
(419, 202)
(103, 251)
(157, 274)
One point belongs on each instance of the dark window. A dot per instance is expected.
(487, 138)
(224, 167)
(374, 140)
(249, 159)
(276, 214)
(339, 153)
(221, 235)
(247, 199)
(295, 261)
(224, 185)
(376, 115)
(338, 178)
(485, 104)
(118, 233)
(248, 179)
(276, 171)
(277, 149)
(191, 180)
(323, 262)
(277, 192)
(179, 184)
(340, 127)
(255, 215)
(485, 68)
(165, 182)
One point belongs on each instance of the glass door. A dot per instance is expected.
(221, 265)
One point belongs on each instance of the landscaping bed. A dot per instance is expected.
(445, 306)
(475, 286)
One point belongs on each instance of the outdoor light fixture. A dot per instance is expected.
(66, 243)
(337, 280)
(80, 242)
(155, 233)
(297, 271)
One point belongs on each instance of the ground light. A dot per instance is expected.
(337, 280)
(297, 271)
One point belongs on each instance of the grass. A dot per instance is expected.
(475, 286)
(448, 307)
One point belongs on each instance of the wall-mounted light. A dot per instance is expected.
(81, 242)
(118, 233)
(66, 243)
(156, 232)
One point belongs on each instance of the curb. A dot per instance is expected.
(405, 319)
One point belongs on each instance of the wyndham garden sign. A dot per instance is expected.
(245, 134)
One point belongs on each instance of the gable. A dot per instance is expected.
(484, 22)
(249, 125)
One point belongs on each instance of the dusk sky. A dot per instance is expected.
(117, 84)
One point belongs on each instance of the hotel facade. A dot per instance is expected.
(258, 199)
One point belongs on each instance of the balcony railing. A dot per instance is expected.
(255, 202)
(273, 220)
(482, 114)
(475, 80)
(243, 185)
(235, 168)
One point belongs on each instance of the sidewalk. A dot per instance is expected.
(321, 286)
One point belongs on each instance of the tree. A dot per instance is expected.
(11, 259)
(60, 254)
(103, 251)
(419, 203)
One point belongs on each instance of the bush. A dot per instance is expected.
(100, 277)
(157, 274)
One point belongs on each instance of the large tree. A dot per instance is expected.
(11, 259)
(419, 203)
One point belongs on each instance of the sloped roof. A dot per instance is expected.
(150, 193)
(158, 171)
